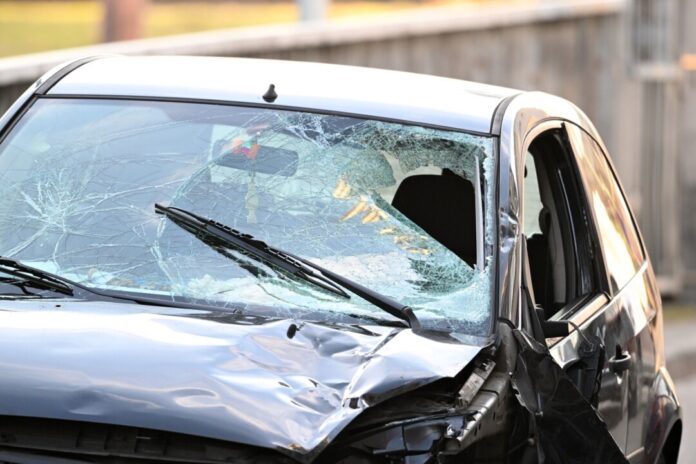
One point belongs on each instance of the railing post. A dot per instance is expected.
(313, 10)
(655, 42)
(687, 165)
(123, 19)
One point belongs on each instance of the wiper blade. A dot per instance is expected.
(205, 229)
(210, 232)
(37, 277)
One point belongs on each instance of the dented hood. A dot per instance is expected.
(246, 380)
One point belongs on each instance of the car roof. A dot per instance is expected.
(390, 95)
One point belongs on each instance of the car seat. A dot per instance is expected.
(540, 263)
(444, 207)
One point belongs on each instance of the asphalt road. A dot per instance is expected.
(680, 349)
(686, 389)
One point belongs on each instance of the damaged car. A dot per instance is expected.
(217, 260)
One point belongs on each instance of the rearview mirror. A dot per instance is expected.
(259, 158)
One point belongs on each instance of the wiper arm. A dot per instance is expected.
(36, 276)
(205, 229)
(210, 231)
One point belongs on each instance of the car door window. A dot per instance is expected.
(561, 254)
(618, 235)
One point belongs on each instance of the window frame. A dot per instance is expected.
(584, 307)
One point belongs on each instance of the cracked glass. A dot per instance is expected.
(80, 178)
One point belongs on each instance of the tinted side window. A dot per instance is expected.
(615, 226)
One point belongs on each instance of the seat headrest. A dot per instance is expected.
(444, 207)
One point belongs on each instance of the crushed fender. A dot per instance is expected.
(567, 427)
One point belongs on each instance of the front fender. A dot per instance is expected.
(663, 412)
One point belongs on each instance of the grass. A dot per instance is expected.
(36, 26)
(27, 27)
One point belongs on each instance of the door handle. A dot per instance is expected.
(620, 362)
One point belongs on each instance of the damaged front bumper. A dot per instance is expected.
(123, 386)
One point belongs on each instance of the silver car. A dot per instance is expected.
(210, 260)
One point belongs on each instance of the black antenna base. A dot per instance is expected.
(270, 95)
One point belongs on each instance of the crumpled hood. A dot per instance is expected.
(249, 383)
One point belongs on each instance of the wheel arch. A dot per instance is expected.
(663, 423)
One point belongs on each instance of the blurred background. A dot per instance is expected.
(630, 64)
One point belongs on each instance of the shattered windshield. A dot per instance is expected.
(400, 209)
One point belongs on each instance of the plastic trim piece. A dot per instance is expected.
(62, 72)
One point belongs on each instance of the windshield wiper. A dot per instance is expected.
(216, 234)
(36, 277)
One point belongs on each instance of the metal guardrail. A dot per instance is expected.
(275, 39)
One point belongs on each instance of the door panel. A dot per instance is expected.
(627, 319)
(613, 327)
(640, 301)
(605, 269)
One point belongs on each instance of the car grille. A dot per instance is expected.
(32, 440)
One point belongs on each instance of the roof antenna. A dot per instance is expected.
(270, 95)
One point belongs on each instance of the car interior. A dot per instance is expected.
(444, 207)
(558, 237)
(559, 242)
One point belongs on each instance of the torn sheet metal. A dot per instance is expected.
(567, 426)
(244, 379)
